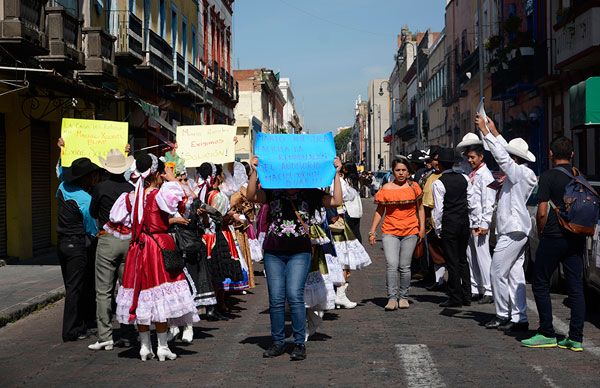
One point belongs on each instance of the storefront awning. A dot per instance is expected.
(387, 135)
(584, 102)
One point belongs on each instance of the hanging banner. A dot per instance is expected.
(206, 143)
(91, 139)
(295, 161)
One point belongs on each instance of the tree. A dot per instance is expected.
(342, 139)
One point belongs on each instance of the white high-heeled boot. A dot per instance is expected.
(172, 333)
(163, 352)
(188, 334)
(146, 346)
(106, 345)
(341, 300)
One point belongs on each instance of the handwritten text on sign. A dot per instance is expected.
(91, 139)
(295, 161)
(206, 143)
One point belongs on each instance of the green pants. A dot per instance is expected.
(110, 260)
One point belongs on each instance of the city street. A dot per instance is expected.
(424, 346)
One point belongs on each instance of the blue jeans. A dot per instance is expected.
(550, 253)
(286, 275)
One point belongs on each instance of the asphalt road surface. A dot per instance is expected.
(424, 346)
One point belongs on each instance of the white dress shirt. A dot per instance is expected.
(439, 191)
(482, 198)
(511, 214)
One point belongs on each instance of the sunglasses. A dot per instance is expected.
(182, 179)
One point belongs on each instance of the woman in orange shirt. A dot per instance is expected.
(399, 204)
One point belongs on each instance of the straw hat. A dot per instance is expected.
(469, 139)
(520, 148)
(116, 162)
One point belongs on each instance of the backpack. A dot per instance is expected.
(579, 215)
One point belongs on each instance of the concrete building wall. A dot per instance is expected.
(379, 122)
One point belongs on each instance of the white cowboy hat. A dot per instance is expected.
(116, 162)
(519, 147)
(469, 139)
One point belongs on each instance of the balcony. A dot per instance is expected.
(577, 41)
(195, 81)
(129, 45)
(470, 64)
(159, 58)
(64, 40)
(100, 54)
(22, 27)
(523, 72)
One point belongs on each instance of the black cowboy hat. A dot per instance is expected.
(416, 156)
(446, 155)
(79, 168)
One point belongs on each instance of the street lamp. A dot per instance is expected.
(381, 87)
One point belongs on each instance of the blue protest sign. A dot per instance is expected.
(295, 161)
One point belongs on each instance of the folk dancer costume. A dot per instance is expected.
(433, 242)
(244, 231)
(483, 201)
(513, 224)
(227, 270)
(349, 251)
(450, 218)
(149, 293)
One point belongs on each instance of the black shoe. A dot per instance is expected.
(275, 350)
(466, 303)
(475, 297)
(496, 323)
(514, 327)
(450, 303)
(486, 299)
(299, 353)
(436, 287)
(212, 314)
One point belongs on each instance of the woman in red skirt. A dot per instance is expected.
(149, 293)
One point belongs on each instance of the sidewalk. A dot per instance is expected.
(28, 286)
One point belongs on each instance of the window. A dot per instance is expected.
(162, 20)
(174, 29)
(132, 6)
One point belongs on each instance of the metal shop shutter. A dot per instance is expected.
(3, 252)
(41, 166)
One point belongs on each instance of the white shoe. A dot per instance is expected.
(188, 334)
(341, 300)
(314, 321)
(172, 333)
(107, 345)
(163, 352)
(146, 346)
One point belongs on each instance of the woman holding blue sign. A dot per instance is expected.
(288, 253)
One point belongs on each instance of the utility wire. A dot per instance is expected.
(331, 21)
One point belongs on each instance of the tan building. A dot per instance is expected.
(260, 108)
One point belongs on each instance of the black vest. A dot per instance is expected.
(456, 208)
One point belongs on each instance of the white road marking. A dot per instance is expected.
(418, 366)
(563, 328)
(549, 382)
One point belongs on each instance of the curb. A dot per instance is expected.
(23, 309)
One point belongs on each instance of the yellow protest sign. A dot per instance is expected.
(206, 143)
(91, 139)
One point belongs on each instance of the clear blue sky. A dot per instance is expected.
(329, 49)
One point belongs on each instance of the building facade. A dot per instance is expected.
(291, 118)
(379, 121)
(154, 64)
(260, 108)
(358, 148)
